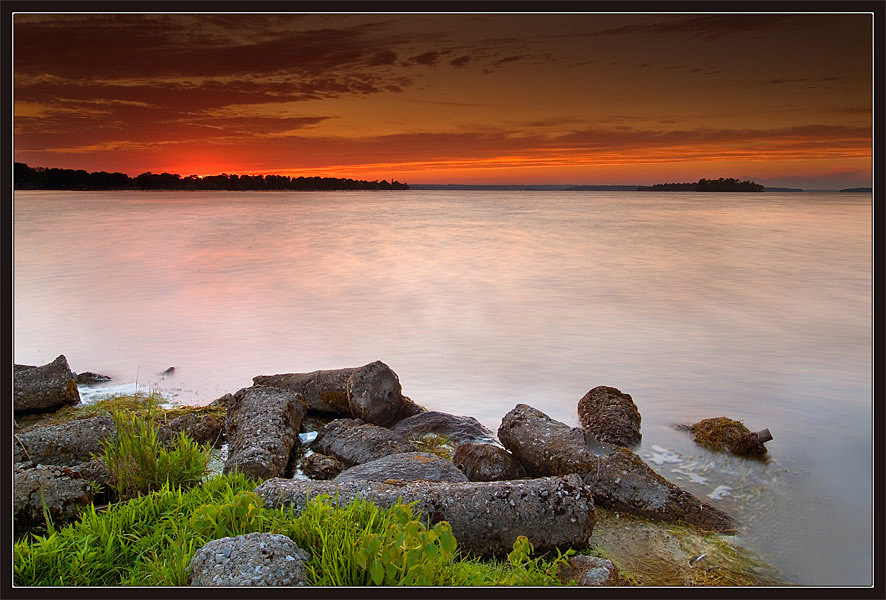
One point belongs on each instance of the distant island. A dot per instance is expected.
(858, 189)
(40, 178)
(705, 185)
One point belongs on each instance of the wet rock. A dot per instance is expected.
(458, 429)
(723, 434)
(261, 428)
(618, 477)
(320, 466)
(486, 517)
(45, 388)
(355, 442)
(407, 466)
(65, 496)
(589, 571)
(408, 408)
(90, 378)
(611, 416)
(324, 391)
(169, 371)
(69, 443)
(374, 394)
(254, 559)
(487, 462)
(202, 427)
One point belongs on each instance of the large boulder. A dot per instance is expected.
(374, 394)
(69, 443)
(320, 466)
(487, 462)
(45, 388)
(486, 517)
(610, 415)
(355, 442)
(619, 478)
(458, 429)
(407, 466)
(323, 391)
(254, 559)
(262, 428)
(724, 434)
(64, 492)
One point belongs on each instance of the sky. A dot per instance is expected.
(785, 100)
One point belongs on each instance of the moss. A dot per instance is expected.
(335, 398)
(655, 554)
(434, 443)
(215, 411)
(724, 434)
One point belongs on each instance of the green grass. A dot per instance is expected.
(149, 541)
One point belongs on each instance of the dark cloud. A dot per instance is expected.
(709, 27)
(509, 59)
(427, 58)
(460, 61)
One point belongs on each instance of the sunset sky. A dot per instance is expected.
(580, 98)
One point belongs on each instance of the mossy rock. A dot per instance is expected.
(724, 434)
(660, 554)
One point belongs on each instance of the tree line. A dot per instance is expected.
(41, 178)
(705, 185)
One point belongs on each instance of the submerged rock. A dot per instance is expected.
(44, 388)
(355, 442)
(486, 517)
(618, 477)
(254, 559)
(487, 462)
(458, 429)
(262, 428)
(406, 466)
(90, 378)
(320, 466)
(721, 433)
(610, 415)
(67, 444)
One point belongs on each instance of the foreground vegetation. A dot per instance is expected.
(165, 508)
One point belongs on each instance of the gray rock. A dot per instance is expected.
(254, 559)
(320, 466)
(354, 442)
(374, 394)
(487, 462)
(610, 415)
(90, 378)
(323, 391)
(408, 408)
(588, 570)
(45, 388)
(619, 478)
(406, 466)
(65, 494)
(458, 429)
(201, 427)
(486, 517)
(68, 444)
(262, 426)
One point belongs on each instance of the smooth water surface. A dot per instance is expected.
(753, 306)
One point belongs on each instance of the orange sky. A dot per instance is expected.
(581, 98)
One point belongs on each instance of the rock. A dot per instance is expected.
(487, 462)
(262, 428)
(203, 428)
(458, 429)
(169, 371)
(406, 466)
(69, 443)
(721, 433)
(65, 496)
(374, 394)
(618, 477)
(408, 408)
(45, 388)
(354, 442)
(324, 391)
(97, 472)
(589, 571)
(486, 517)
(611, 416)
(222, 402)
(90, 378)
(320, 466)
(254, 559)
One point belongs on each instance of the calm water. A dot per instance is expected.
(753, 306)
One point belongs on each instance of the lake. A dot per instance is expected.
(753, 306)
